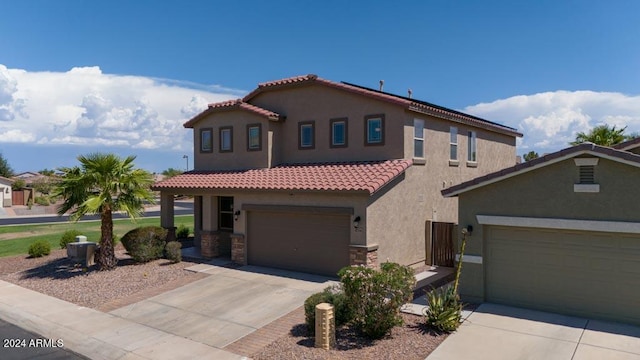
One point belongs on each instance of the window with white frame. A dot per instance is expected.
(254, 136)
(338, 133)
(306, 135)
(418, 138)
(453, 143)
(374, 130)
(226, 139)
(206, 140)
(471, 147)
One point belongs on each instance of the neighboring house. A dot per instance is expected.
(632, 146)
(559, 233)
(314, 175)
(5, 192)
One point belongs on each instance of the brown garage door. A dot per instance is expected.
(583, 273)
(307, 242)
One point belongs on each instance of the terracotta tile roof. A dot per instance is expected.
(410, 104)
(368, 176)
(585, 148)
(232, 105)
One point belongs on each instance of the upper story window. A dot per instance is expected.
(418, 138)
(306, 135)
(339, 134)
(471, 147)
(453, 143)
(226, 139)
(254, 137)
(206, 140)
(374, 130)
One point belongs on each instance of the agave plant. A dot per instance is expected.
(444, 309)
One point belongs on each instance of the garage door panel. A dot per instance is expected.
(299, 241)
(580, 273)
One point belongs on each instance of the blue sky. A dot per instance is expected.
(82, 76)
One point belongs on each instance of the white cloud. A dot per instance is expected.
(550, 120)
(84, 106)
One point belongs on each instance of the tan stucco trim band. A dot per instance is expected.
(472, 259)
(586, 188)
(586, 161)
(564, 224)
(298, 209)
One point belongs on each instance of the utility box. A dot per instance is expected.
(325, 326)
(82, 251)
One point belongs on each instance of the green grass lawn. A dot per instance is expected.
(15, 240)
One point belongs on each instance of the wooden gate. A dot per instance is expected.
(17, 197)
(443, 245)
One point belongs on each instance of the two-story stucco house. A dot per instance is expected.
(313, 175)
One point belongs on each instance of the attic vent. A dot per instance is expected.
(587, 174)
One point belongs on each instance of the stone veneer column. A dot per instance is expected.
(364, 255)
(238, 249)
(210, 244)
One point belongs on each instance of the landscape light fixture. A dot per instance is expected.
(356, 222)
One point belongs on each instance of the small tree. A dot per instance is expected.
(603, 135)
(530, 156)
(171, 172)
(102, 184)
(19, 184)
(5, 169)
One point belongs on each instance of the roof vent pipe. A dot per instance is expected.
(410, 93)
(381, 84)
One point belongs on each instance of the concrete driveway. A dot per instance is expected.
(226, 306)
(503, 332)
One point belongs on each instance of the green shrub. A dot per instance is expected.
(183, 232)
(172, 251)
(68, 237)
(145, 243)
(375, 297)
(42, 201)
(39, 248)
(444, 309)
(332, 295)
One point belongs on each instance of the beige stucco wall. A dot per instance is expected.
(5, 198)
(321, 104)
(240, 158)
(546, 193)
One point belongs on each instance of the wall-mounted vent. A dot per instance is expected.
(587, 174)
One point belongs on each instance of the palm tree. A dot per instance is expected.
(603, 135)
(531, 155)
(102, 184)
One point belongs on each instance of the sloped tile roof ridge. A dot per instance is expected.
(580, 148)
(633, 143)
(233, 104)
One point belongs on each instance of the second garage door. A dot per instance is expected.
(584, 273)
(307, 242)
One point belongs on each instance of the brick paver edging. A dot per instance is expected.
(259, 339)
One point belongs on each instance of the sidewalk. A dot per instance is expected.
(95, 334)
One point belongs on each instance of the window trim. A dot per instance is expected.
(453, 131)
(366, 129)
(259, 147)
(302, 124)
(472, 144)
(418, 139)
(346, 132)
(220, 142)
(210, 147)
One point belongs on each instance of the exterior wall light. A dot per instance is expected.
(356, 222)
(236, 214)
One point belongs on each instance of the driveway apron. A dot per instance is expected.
(226, 306)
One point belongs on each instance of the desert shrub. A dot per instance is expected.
(332, 295)
(182, 232)
(39, 248)
(375, 297)
(172, 251)
(145, 243)
(42, 201)
(444, 309)
(68, 237)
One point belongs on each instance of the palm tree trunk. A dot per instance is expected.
(106, 256)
